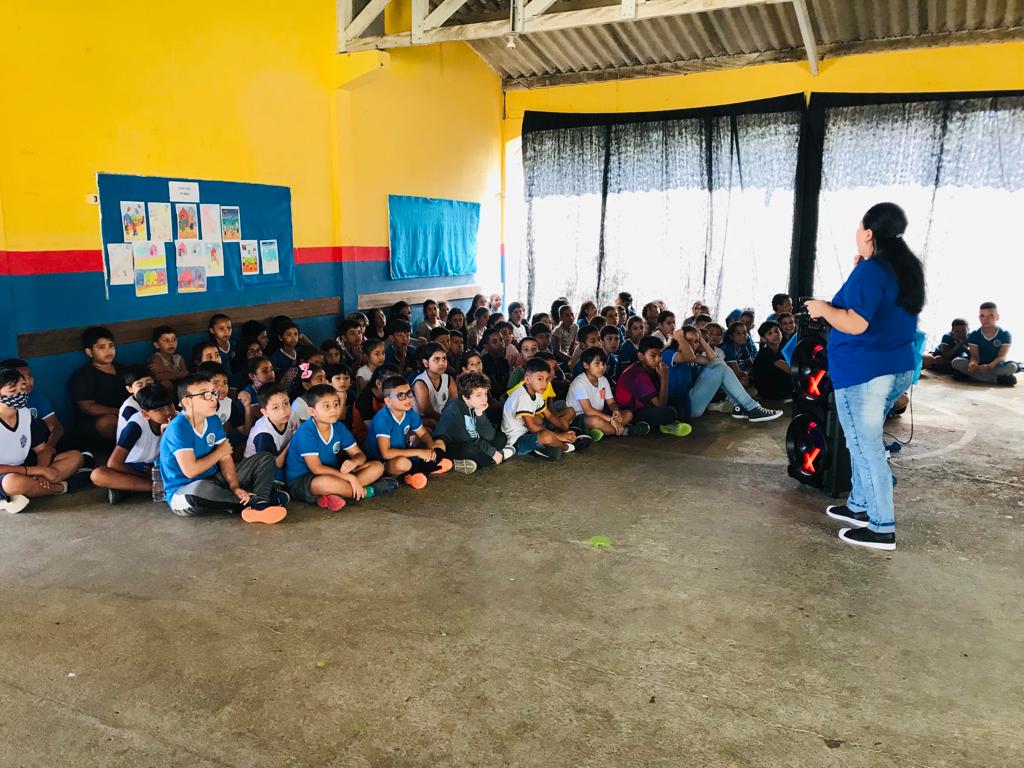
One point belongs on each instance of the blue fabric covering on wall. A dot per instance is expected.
(431, 238)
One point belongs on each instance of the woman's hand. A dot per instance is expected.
(816, 307)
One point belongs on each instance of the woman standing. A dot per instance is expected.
(871, 363)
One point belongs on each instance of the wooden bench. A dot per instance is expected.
(62, 340)
(450, 293)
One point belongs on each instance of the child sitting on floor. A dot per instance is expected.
(564, 335)
(22, 475)
(399, 352)
(990, 346)
(287, 340)
(373, 356)
(369, 401)
(587, 338)
(770, 370)
(351, 343)
(465, 428)
(528, 348)
(324, 465)
(232, 414)
(39, 405)
(310, 375)
(332, 351)
(198, 472)
(339, 377)
(495, 364)
(628, 352)
(261, 373)
(165, 365)
(737, 352)
(643, 388)
(953, 345)
(610, 341)
(523, 416)
(273, 430)
(590, 397)
(135, 378)
(130, 466)
(433, 387)
(389, 439)
(97, 389)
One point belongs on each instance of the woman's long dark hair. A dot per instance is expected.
(887, 223)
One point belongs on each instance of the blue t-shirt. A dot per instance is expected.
(180, 435)
(384, 424)
(887, 346)
(307, 442)
(680, 377)
(742, 355)
(627, 353)
(987, 348)
(39, 405)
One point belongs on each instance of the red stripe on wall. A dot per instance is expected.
(50, 262)
(341, 253)
(91, 260)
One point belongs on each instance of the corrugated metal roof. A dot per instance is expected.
(732, 37)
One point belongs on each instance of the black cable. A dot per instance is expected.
(909, 439)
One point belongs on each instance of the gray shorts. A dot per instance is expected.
(300, 488)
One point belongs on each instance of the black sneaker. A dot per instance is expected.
(115, 496)
(863, 537)
(958, 376)
(848, 516)
(88, 460)
(280, 498)
(639, 429)
(738, 413)
(1007, 381)
(547, 452)
(760, 413)
(582, 443)
(385, 486)
(79, 480)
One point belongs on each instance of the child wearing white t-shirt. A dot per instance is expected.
(590, 396)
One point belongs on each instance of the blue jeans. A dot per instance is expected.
(715, 375)
(861, 410)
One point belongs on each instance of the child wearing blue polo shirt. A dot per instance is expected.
(198, 472)
(989, 348)
(318, 472)
(389, 439)
(953, 345)
(129, 468)
(628, 349)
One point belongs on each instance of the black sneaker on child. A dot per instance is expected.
(280, 498)
(864, 537)
(847, 515)
(1007, 381)
(738, 413)
(638, 429)
(547, 452)
(79, 480)
(385, 486)
(88, 460)
(115, 496)
(760, 413)
(582, 443)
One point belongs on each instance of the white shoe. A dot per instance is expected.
(722, 406)
(14, 504)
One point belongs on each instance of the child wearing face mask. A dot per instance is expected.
(51, 473)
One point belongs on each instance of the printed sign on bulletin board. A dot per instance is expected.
(163, 235)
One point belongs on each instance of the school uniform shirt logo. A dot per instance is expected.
(996, 342)
(24, 440)
(34, 412)
(210, 440)
(336, 448)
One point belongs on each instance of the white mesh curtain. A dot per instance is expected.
(694, 208)
(564, 177)
(957, 169)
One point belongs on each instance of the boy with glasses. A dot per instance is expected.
(390, 439)
(198, 472)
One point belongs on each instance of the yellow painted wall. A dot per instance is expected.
(235, 90)
(427, 124)
(958, 68)
(243, 90)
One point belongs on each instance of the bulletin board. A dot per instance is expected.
(165, 235)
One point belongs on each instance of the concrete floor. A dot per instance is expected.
(472, 625)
